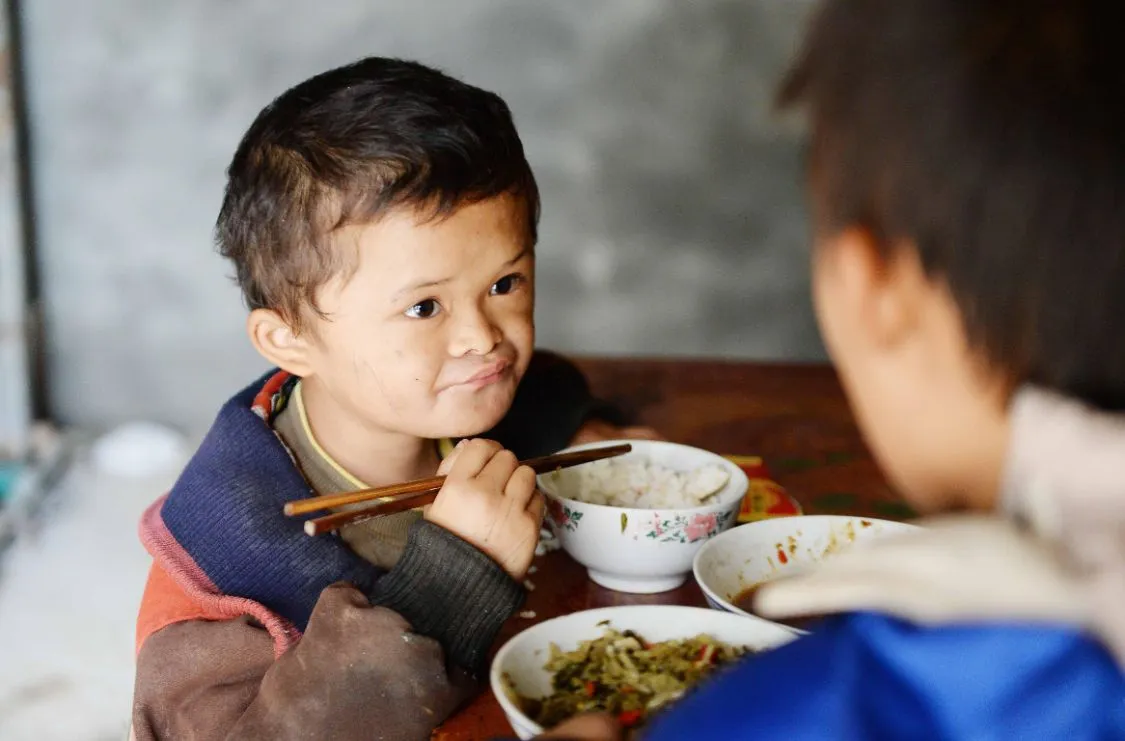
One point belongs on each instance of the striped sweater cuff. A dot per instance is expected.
(450, 591)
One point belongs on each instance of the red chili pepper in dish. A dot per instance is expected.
(706, 655)
(629, 718)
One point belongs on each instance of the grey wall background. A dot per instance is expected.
(673, 219)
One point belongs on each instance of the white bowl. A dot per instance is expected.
(522, 658)
(760, 551)
(630, 549)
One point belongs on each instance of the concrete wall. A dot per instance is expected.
(673, 219)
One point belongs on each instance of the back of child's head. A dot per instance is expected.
(989, 136)
(346, 147)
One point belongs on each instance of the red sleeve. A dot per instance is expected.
(165, 602)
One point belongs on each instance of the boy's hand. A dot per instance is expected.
(491, 502)
(593, 727)
(595, 430)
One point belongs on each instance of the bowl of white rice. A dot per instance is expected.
(636, 521)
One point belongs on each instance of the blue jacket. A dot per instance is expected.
(869, 676)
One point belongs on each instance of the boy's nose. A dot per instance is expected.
(475, 334)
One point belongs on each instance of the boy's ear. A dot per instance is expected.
(276, 341)
(884, 290)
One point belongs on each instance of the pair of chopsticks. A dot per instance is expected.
(414, 494)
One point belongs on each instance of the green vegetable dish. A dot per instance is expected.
(623, 674)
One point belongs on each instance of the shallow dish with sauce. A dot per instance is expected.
(732, 565)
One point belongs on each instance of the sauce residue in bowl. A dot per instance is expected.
(744, 600)
(789, 552)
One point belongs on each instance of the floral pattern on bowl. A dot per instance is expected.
(685, 528)
(563, 516)
(637, 550)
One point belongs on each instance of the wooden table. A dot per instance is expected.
(795, 417)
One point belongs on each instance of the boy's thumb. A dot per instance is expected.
(592, 727)
(446, 464)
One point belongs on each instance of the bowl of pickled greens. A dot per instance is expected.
(632, 662)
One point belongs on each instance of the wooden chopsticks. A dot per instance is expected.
(413, 494)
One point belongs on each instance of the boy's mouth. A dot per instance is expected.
(486, 376)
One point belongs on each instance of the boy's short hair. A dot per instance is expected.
(990, 135)
(347, 146)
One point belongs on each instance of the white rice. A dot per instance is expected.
(547, 542)
(639, 483)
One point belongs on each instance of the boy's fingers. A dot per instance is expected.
(520, 489)
(498, 471)
(448, 461)
(472, 458)
(597, 727)
(538, 506)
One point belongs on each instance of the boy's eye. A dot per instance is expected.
(505, 285)
(424, 309)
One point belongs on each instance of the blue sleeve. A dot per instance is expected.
(868, 676)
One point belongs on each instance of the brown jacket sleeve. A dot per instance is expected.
(359, 672)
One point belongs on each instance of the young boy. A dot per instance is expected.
(382, 221)
(968, 187)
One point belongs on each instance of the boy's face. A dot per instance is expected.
(934, 416)
(433, 331)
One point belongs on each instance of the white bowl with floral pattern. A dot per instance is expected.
(639, 550)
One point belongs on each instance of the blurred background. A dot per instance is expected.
(673, 224)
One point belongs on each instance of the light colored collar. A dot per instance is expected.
(1065, 478)
(445, 445)
(298, 401)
